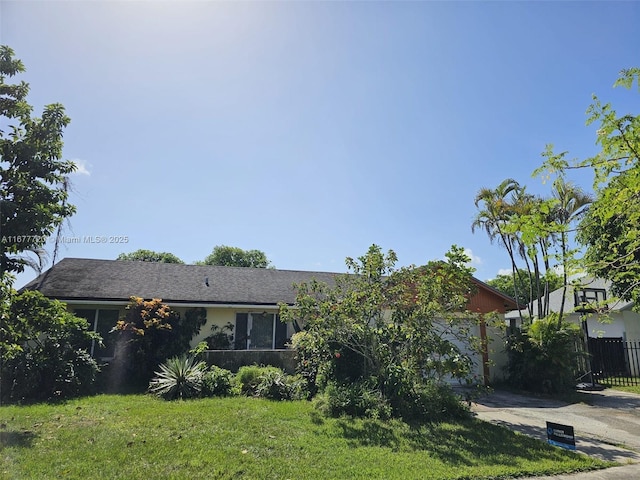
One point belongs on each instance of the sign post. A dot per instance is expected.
(561, 436)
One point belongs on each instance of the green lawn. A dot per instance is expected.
(625, 388)
(141, 437)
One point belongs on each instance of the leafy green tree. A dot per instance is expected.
(571, 204)
(536, 231)
(610, 229)
(43, 349)
(390, 331)
(526, 280)
(150, 256)
(225, 256)
(33, 186)
(513, 217)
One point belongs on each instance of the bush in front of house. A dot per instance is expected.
(43, 350)
(248, 377)
(269, 382)
(357, 399)
(178, 378)
(217, 382)
(149, 334)
(277, 385)
(542, 356)
(382, 341)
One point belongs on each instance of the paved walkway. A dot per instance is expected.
(607, 427)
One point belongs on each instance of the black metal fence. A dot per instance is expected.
(614, 361)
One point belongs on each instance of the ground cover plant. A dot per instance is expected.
(141, 437)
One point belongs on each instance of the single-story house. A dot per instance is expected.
(244, 299)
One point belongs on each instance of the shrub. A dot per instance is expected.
(431, 402)
(180, 377)
(277, 385)
(248, 377)
(43, 351)
(375, 339)
(217, 382)
(358, 399)
(149, 334)
(542, 356)
(221, 338)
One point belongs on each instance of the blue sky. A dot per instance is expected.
(311, 130)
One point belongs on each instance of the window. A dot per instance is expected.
(589, 299)
(100, 321)
(259, 331)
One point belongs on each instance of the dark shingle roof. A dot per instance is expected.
(88, 279)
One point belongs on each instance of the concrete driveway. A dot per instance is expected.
(607, 425)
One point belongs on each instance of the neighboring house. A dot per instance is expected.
(591, 301)
(612, 326)
(245, 298)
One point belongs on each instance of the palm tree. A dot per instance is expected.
(571, 204)
(494, 216)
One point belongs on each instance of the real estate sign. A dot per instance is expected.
(561, 435)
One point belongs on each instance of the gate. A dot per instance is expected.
(615, 361)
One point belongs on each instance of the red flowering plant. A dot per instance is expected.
(146, 337)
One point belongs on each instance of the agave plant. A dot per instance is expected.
(180, 377)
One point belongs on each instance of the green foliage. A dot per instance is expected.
(150, 333)
(217, 382)
(178, 378)
(535, 231)
(277, 385)
(385, 329)
(225, 256)
(221, 338)
(248, 377)
(43, 350)
(33, 183)
(142, 255)
(524, 284)
(358, 399)
(543, 355)
(610, 228)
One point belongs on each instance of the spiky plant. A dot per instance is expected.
(180, 377)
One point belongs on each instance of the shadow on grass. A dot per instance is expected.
(23, 439)
(468, 442)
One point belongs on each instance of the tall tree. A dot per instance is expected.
(610, 229)
(225, 256)
(531, 228)
(396, 331)
(526, 286)
(33, 193)
(496, 207)
(142, 255)
(571, 203)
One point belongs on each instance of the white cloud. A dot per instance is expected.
(475, 260)
(504, 271)
(82, 167)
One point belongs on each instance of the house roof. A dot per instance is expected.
(555, 297)
(82, 279)
(118, 280)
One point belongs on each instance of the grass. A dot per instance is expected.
(624, 388)
(141, 437)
